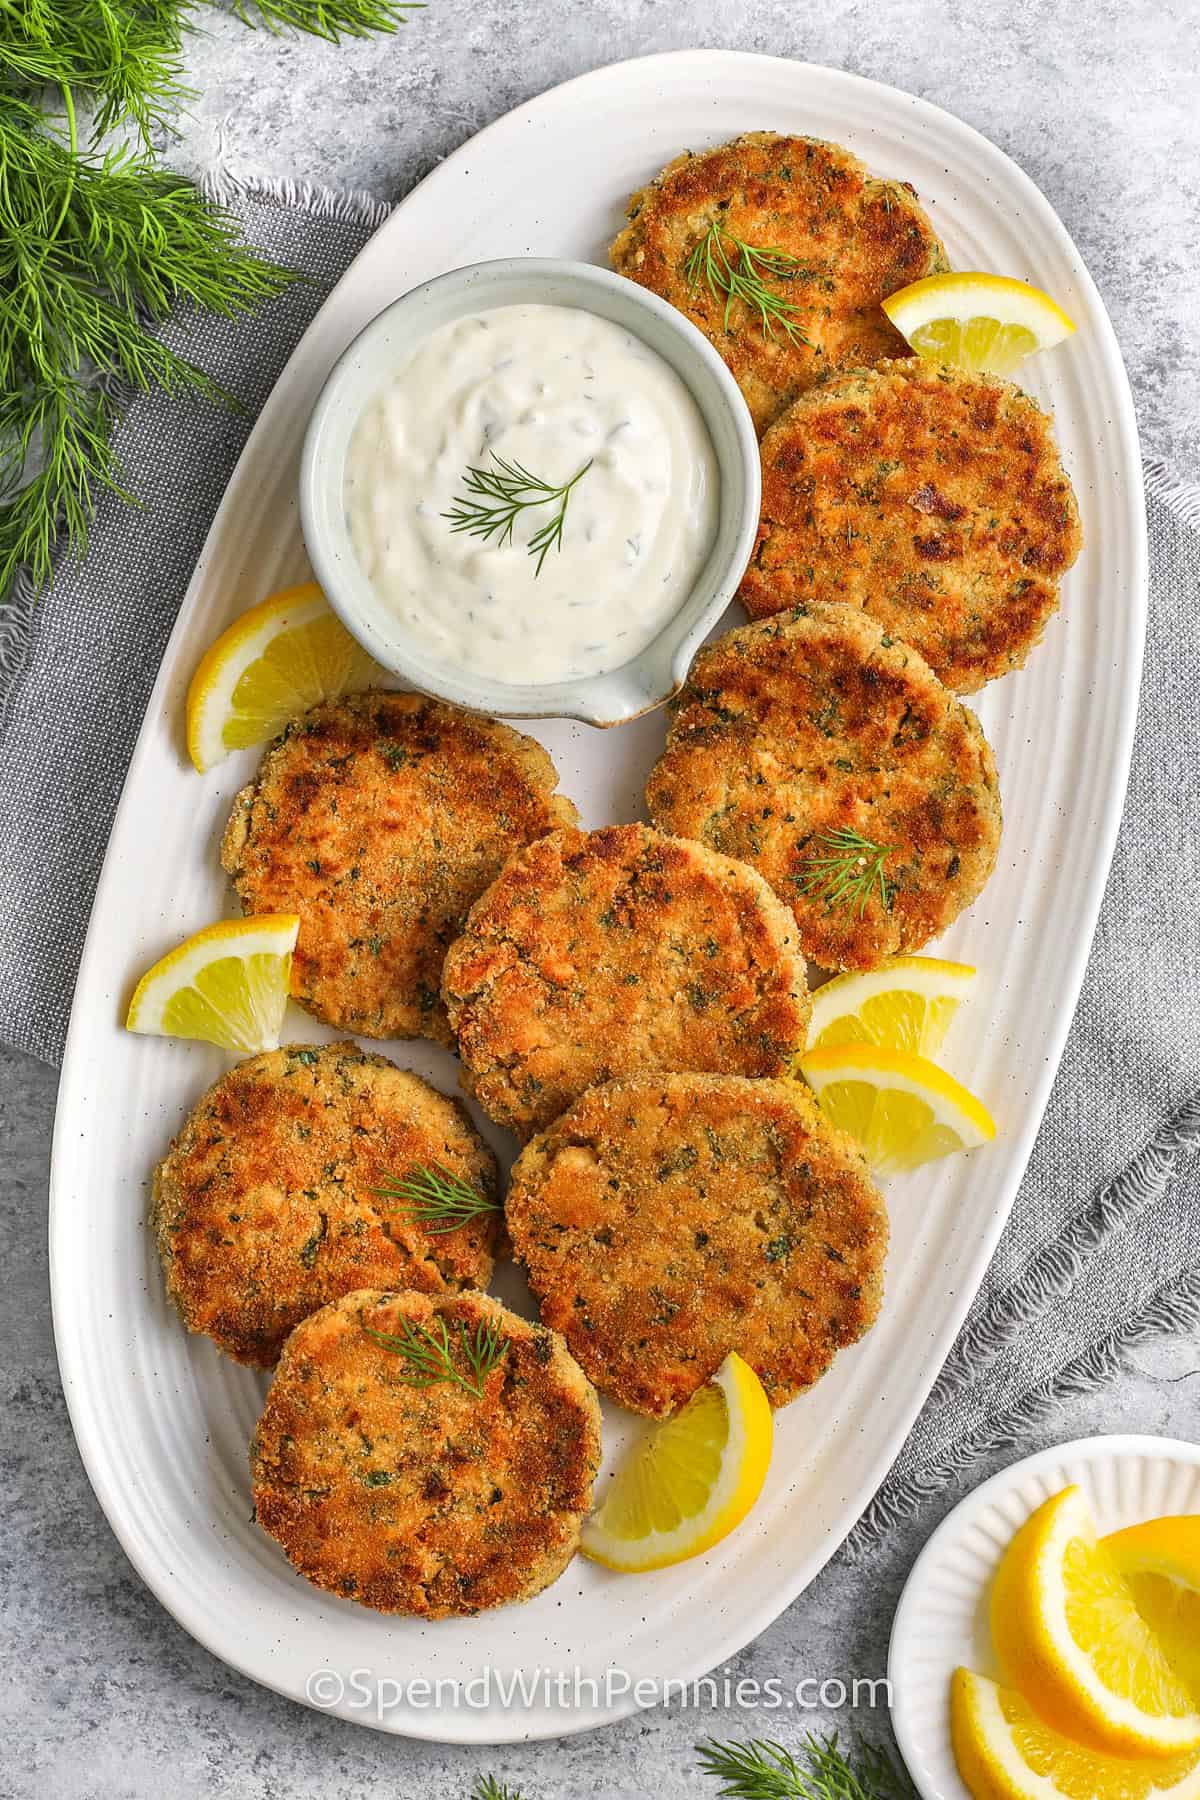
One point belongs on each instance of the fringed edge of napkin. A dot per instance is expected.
(16, 626)
(1054, 1269)
(349, 206)
(1175, 1308)
(1182, 497)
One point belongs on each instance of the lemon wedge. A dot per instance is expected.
(907, 1003)
(691, 1480)
(902, 1109)
(988, 323)
(1005, 1751)
(1070, 1638)
(282, 657)
(1161, 1562)
(228, 985)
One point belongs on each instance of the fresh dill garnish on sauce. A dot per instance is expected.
(437, 1198)
(429, 1352)
(845, 869)
(760, 1770)
(733, 270)
(496, 497)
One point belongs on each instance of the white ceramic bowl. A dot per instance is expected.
(657, 671)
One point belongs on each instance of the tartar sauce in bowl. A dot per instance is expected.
(532, 494)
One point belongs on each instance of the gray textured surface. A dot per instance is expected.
(1098, 100)
(105, 1696)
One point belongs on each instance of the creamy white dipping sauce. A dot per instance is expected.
(551, 388)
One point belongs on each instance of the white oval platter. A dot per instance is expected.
(163, 1422)
(942, 1621)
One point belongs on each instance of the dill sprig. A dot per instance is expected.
(488, 1788)
(98, 246)
(734, 270)
(846, 870)
(329, 19)
(760, 1770)
(94, 251)
(437, 1198)
(125, 57)
(429, 1352)
(506, 491)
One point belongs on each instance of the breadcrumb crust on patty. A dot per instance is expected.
(665, 1221)
(932, 498)
(816, 723)
(428, 1500)
(598, 953)
(379, 819)
(266, 1205)
(852, 239)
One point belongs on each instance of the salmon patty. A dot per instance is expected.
(829, 756)
(932, 498)
(665, 1221)
(379, 818)
(598, 953)
(825, 239)
(268, 1204)
(430, 1496)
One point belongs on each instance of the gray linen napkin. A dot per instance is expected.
(1104, 1242)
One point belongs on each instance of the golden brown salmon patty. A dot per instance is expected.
(428, 1499)
(266, 1207)
(934, 499)
(830, 757)
(379, 819)
(598, 953)
(667, 1220)
(838, 242)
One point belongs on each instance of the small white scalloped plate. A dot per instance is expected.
(941, 1623)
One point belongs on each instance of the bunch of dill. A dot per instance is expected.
(97, 244)
(820, 1769)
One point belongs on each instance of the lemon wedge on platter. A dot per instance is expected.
(1068, 1634)
(691, 1479)
(985, 323)
(279, 659)
(1161, 1562)
(902, 1109)
(1005, 1751)
(227, 984)
(907, 1003)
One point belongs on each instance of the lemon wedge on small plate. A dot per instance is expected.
(691, 1479)
(907, 1003)
(228, 985)
(1070, 1638)
(1161, 1562)
(902, 1109)
(1005, 1751)
(985, 323)
(279, 659)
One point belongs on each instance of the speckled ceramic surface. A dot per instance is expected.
(942, 1620)
(163, 1422)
